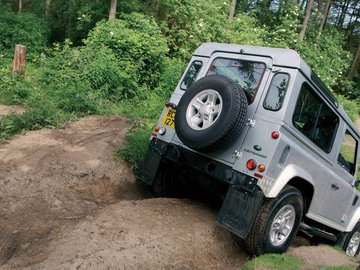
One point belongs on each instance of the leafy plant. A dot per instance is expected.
(138, 139)
(25, 29)
(137, 43)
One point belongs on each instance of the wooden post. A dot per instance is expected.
(18, 66)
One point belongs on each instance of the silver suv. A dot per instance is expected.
(257, 127)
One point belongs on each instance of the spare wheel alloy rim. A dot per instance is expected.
(204, 109)
(353, 244)
(282, 225)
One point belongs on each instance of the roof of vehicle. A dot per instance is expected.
(280, 57)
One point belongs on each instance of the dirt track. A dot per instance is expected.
(65, 203)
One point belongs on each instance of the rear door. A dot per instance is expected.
(251, 73)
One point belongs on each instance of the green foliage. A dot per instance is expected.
(327, 56)
(25, 29)
(273, 261)
(350, 107)
(137, 43)
(34, 118)
(138, 139)
(186, 23)
(243, 29)
(284, 32)
(172, 71)
(14, 90)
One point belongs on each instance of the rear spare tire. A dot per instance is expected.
(211, 113)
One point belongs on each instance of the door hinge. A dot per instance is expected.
(251, 122)
(237, 154)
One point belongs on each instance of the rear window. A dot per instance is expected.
(276, 93)
(191, 75)
(246, 73)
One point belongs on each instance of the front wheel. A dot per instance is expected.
(350, 242)
(276, 223)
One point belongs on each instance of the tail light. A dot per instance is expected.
(251, 164)
(275, 135)
(261, 168)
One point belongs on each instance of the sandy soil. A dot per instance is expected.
(11, 109)
(65, 203)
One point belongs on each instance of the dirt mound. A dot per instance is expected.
(65, 203)
(56, 188)
(316, 257)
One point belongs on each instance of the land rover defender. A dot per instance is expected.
(257, 125)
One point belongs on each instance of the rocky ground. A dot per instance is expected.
(65, 203)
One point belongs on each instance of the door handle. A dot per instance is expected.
(334, 186)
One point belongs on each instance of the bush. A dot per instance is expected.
(25, 29)
(283, 32)
(327, 56)
(244, 29)
(350, 107)
(137, 43)
(172, 71)
(14, 90)
(37, 117)
(113, 80)
(138, 139)
(187, 24)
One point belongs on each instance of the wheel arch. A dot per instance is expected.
(293, 175)
(306, 189)
(354, 220)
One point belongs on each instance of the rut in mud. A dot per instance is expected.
(65, 203)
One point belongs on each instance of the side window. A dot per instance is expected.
(276, 93)
(191, 75)
(315, 119)
(347, 155)
(245, 73)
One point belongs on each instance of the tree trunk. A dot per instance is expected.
(47, 7)
(112, 13)
(306, 19)
(267, 5)
(354, 63)
(344, 10)
(20, 6)
(232, 9)
(325, 16)
(18, 66)
(319, 8)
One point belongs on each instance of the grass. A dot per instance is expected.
(273, 262)
(138, 140)
(284, 262)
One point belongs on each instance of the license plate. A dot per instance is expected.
(169, 118)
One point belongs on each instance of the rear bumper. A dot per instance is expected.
(243, 198)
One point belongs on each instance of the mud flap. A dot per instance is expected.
(149, 166)
(239, 210)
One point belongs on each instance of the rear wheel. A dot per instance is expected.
(350, 242)
(164, 182)
(276, 224)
